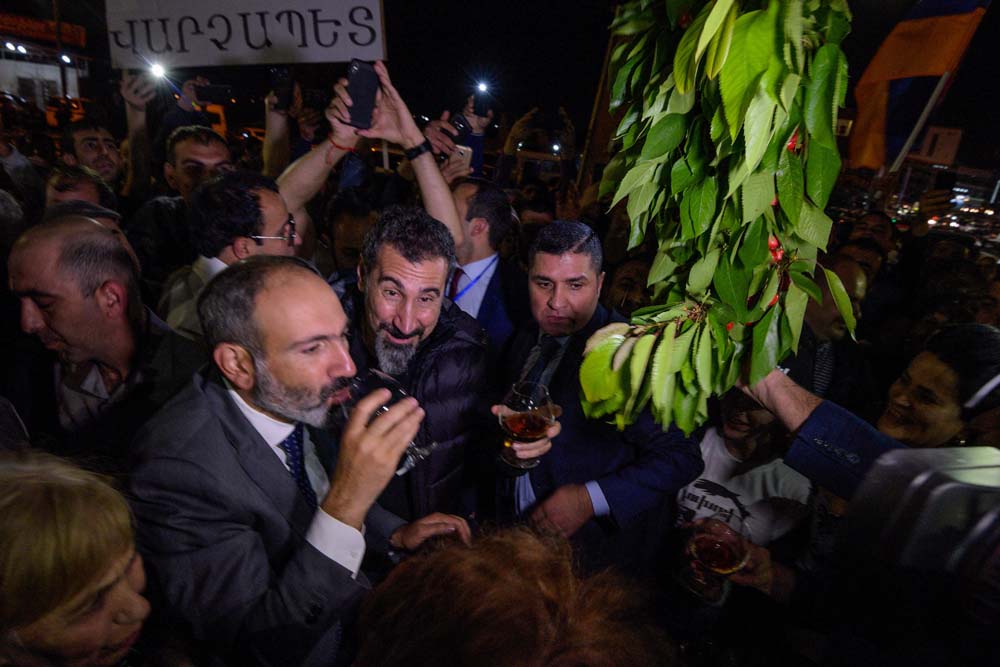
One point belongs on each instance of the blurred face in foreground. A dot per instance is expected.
(97, 627)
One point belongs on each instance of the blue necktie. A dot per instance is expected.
(295, 458)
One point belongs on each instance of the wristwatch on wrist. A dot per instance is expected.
(418, 150)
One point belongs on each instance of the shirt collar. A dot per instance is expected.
(478, 266)
(208, 267)
(270, 429)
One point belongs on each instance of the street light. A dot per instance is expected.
(11, 47)
(65, 59)
(21, 49)
(555, 148)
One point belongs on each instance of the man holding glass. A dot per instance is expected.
(599, 486)
(253, 520)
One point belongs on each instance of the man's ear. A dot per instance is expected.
(241, 247)
(112, 299)
(361, 276)
(478, 226)
(600, 282)
(236, 364)
(169, 175)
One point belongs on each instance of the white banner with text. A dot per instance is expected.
(193, 33)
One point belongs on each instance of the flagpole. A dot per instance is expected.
(918, 128)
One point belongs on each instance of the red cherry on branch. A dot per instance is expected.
(773, 243)
(794, 141)
(773, 301)
(729, 327)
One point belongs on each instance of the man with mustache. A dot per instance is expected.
(406, 328)
(249, 514)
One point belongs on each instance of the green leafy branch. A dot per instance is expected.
(728, 155)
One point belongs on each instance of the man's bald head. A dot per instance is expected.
(86, 251)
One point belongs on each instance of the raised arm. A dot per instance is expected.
(393, 122)
(137, 90)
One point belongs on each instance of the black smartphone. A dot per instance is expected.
(481, 104)
(214, 94)
(362, 84)
(281, 86)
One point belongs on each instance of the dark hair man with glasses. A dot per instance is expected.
(601, 487)
(233, 216)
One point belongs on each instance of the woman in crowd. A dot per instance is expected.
(70, 577)
(934, 403)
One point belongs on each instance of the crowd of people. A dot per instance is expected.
(182, 481)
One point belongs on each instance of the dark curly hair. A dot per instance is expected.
(973, 352)
(226, 208)
(413, 233)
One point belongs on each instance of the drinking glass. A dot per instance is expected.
(373, 380)
(718, 546)
(525, 415)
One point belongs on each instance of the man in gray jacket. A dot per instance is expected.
(249, 516)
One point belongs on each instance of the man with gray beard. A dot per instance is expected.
(405, 327)
(249, 514)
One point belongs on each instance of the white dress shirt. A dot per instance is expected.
(333, 538)
(473, 298)
(181, 305)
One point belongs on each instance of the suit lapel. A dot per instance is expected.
(258, 460)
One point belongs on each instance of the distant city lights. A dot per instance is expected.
(65, 59)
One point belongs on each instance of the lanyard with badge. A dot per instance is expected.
(475, 280)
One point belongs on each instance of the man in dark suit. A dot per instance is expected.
(597, 485)
(492, 290)
(249, 517)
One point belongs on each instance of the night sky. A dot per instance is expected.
(547, 52)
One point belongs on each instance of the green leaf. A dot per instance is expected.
(681, 176)
(681, 348)
(681, 103)
(685, 409)
(807, 285)
(686, 58)
(796, 301)
(757, 130)
(793, 32)
(714, 21)
(754, 250)
(635, 177)
(814, 225)
(754, 42)
(764, 356)
(662, 378)
(822, 170)
(819, 101)
(698, 209)
(731, 284)
(664, 136)
(663, 267)
(844, 305)
(637, 371)
(789, 88)
(703, 360)
(701, 273)
(757, 195)
(718, 50)
(790, 185)
(597, 380)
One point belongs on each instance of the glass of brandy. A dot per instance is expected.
(525, 415)
(373, 380)
(716, 548)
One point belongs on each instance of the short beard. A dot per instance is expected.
(394, 358)
(296, 404)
